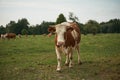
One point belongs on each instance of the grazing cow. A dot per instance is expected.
(67, 39)
(19, 35)
(2, 36)
(10, 35)
(44, 34)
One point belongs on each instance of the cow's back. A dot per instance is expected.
(11, 35)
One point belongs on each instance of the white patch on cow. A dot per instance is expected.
(60, 30)
(66, 23)
(58, 50)
(3, 36)
(74, 34)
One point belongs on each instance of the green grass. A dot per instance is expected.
(34, 58)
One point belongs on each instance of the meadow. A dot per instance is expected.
(34, 58)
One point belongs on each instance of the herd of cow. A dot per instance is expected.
(13, 35)
(67, 39)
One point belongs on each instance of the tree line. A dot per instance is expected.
(22, 26)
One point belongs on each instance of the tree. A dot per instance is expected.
(81, 26)
(115, 25)
(38, 29)
(24, 32)
(22, 24)
(2, 30)
(11, 27)
(72, 17)
(17, 27)
(60, 19)
(103, 27)
(45, 25)
(112, 26)
(32, 30)
(92, 27)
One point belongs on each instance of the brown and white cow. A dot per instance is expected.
(67, 39)
(2, 36)
(10, 35)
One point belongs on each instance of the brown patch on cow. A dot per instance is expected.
(10, 35)
(69, 40)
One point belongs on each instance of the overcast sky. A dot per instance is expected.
(48, 10)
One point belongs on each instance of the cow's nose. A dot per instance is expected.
(60, 44)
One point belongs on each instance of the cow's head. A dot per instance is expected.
(60, 30)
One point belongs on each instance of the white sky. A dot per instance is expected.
(35, 11)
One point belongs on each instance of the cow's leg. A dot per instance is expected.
(58, 59)
(67, 60)
(78, 52)
(71, 57)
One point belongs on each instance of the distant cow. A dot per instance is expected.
(10, 35)
(67, 38)
(2, 36)
(19, 35)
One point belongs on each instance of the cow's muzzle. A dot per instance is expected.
(59, 44)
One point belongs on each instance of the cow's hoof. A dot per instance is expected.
(80, 63)
(66, 64)
(58, 70)
(70, 66)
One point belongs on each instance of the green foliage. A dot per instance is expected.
(35, 29)
(60, 19)
(40, 29)
(92, 27)
(24, 31)
(112, 26)
(22, 24)
(2, 30)
(44, 27)
(17, 27)
(34, 58)
(11, 27)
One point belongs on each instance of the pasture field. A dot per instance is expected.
(34, 58)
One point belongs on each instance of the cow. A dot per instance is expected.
(19, 36)
(10, 35)
(67, 38)
(2, 36)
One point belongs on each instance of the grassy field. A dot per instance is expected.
(34, 58)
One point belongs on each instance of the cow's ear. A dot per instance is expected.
(51, 29)
(70, 28)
